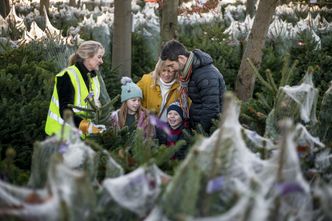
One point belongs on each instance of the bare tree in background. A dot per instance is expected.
(42, 4)
(4, 8)
(245, 81)
(168, 20)
(121, 42)
(250, 7)
(72, 3)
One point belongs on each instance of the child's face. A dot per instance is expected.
(133, 104)
(174, 119)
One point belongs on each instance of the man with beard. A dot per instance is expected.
(200, 80)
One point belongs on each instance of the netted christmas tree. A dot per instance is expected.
(211, 179)
(60, 199)
(255, 112)
(295, 102)
(74, 153)
(132, 196)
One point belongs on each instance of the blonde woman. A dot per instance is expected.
(160, 88)
(73, 85)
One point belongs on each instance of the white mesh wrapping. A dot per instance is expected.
(225, 153)
(255, 204)
(47, 210)
(305, 95)
(324, 193)
(289, 185)
(136, 191)
(76, 155)
(295, 102)
(70, 186)
(60, 200)
(13, 195)
(323, 160)
(255, 142)
(231, 131)
(240, 162)
(304, 138)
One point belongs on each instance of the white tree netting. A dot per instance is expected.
(290, 192)
(214, 172)
(221, 168)
(61, 199)
(74, 153)
(138, 190)
(295, 102)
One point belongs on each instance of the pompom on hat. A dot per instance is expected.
(129, 89)
(176, 107)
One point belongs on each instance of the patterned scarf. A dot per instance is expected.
(184, 78)
(174, 136)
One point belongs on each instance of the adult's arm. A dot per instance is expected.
(66, 95)
(210, 88)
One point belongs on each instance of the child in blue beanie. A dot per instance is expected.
(175, 133)
(131, 111)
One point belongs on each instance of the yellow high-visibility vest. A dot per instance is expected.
(54, 121)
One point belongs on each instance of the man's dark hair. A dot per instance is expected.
(172, 49)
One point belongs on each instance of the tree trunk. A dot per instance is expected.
(121, 42)
(169, 20)
(72, 3)
(4, 8)
(245, 81)
(43, 3)
(251, 8)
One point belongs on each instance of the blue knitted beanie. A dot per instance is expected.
(176, 107)
(129, 89)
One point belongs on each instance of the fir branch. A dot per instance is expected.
(271, 81)
(262, 100)
(141, 150)
(247, 117)
(287, 72)
(200, 130)
(259, 76)
(164, 154)
(98, 114)
(103, 113)
(291, 71)
(90, 101)
(111, 103)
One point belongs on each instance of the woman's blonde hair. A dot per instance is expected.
(87, 49)
(157, 71)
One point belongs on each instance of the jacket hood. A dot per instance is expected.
(201, 58)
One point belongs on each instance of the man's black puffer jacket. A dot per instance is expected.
(205, 89)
